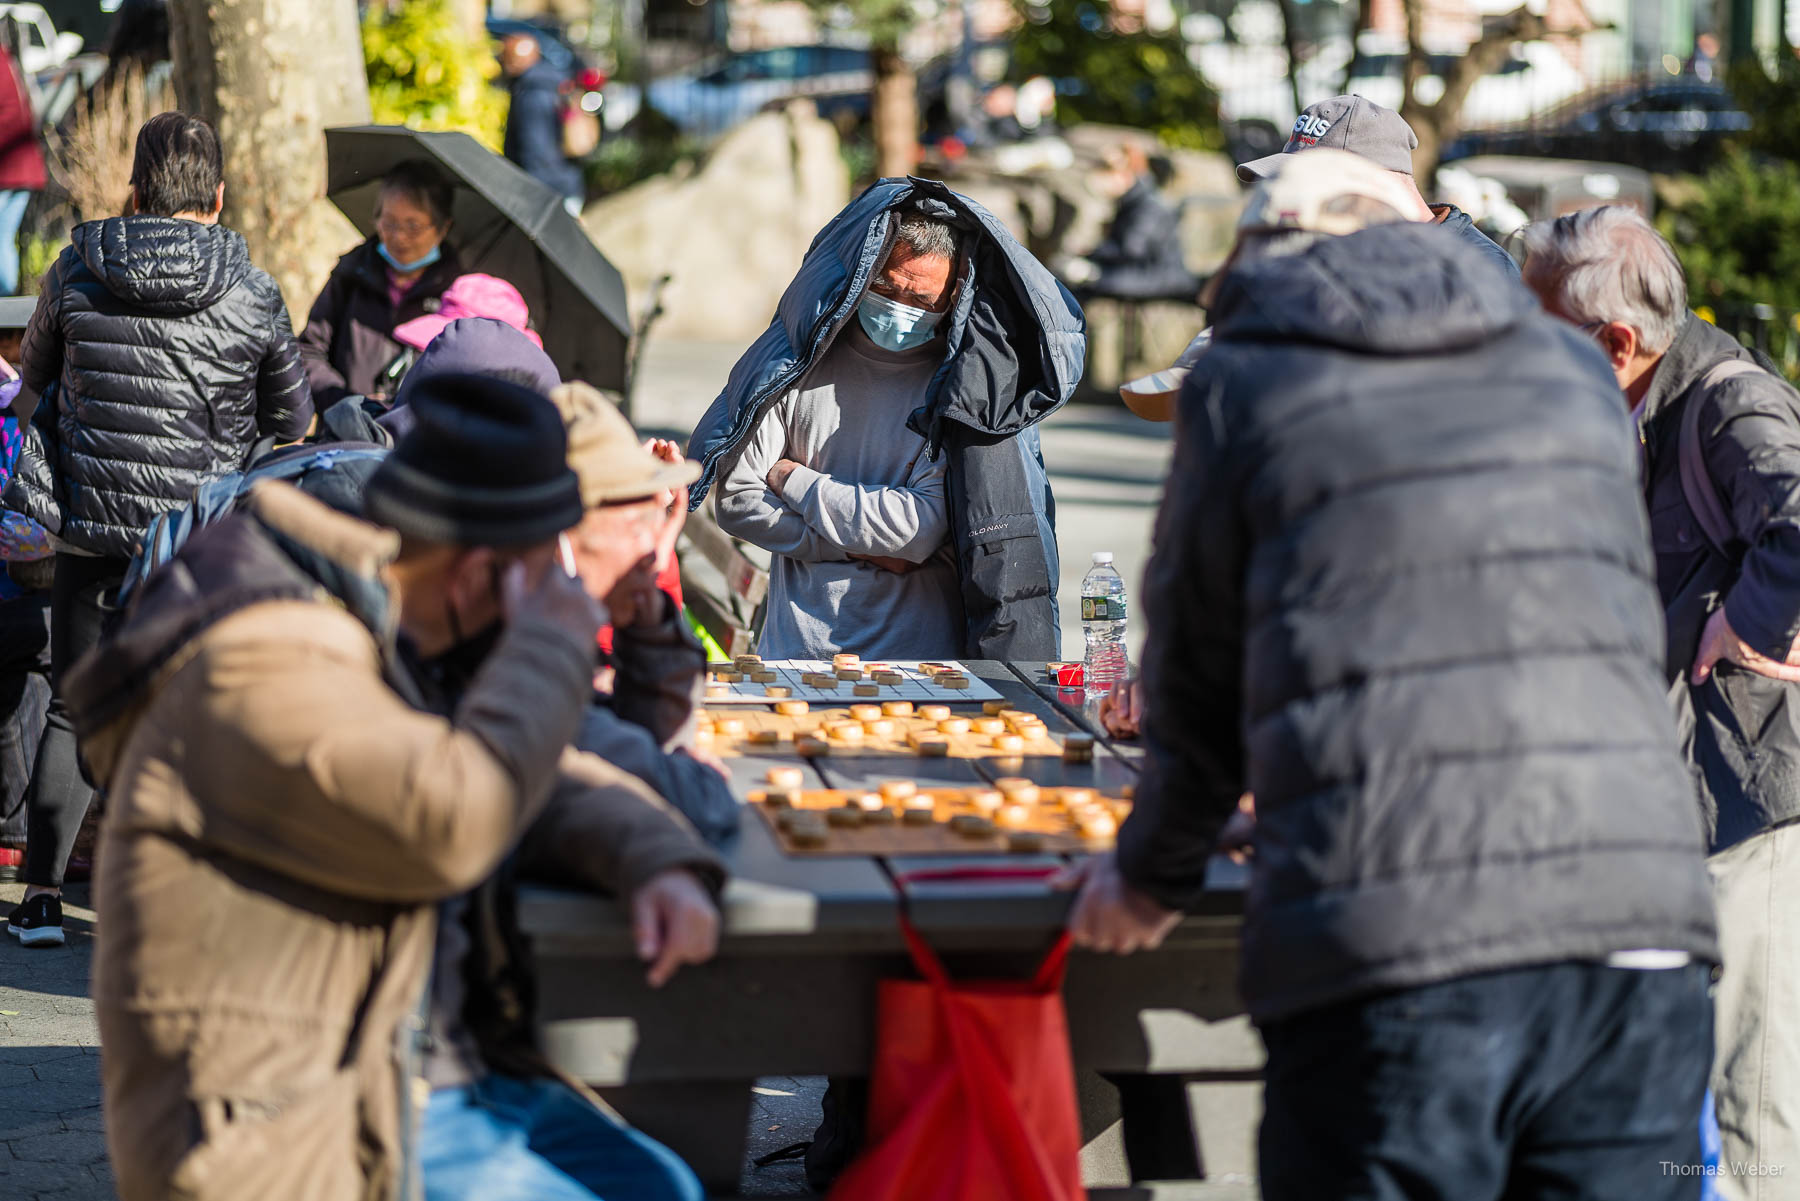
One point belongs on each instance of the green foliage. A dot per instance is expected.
(426, 73)
(1737, 233)
(885, 21)
(1773, 102)
(36, 253)
(629, 158)
(1124, 76)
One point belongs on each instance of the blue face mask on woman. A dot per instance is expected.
(895, 326)
(419, 264)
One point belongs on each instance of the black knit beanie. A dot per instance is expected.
(485, 464)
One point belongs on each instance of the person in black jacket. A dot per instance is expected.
(1402, 593)
(534, 121)
(398, 275)
(171, 356)
(1140, 257)
(1732, 610)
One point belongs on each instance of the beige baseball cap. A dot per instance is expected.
(606, 453)
(1302, 193)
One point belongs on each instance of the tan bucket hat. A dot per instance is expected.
(606, 453)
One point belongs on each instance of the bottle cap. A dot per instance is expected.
(1102, 558)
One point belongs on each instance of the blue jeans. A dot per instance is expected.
(1573, 1081)
(12, 212)
(508, 1139)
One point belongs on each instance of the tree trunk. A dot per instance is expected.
(894, 112)
(471, 16)
(1289, 44)
(1364, 22)
(272, 75)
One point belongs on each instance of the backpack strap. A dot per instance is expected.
(1697, 486)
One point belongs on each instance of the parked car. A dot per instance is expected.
(712, 99)
(1669, 124)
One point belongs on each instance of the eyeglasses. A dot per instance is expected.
(405, 229)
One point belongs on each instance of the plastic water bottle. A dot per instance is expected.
(1104, 666)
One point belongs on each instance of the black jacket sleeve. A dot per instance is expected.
(284, 406)
(326, 381)
(41, 351)
(1750, 427)
(1193, 664)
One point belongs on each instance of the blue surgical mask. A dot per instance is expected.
(419, 264)
(895, 326)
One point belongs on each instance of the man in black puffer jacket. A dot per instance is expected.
(1403, 593)
(171, 356)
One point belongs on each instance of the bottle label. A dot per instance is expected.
(1101, 608)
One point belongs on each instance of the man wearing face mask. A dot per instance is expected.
(880, 439)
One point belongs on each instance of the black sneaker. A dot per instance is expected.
(38, 922)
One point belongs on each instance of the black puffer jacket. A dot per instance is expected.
(1402, 591)
(172, 355)
(1742, 731)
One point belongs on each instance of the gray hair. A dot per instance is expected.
(927, 237)
(1609, 264)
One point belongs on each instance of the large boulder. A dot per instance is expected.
(731, 235)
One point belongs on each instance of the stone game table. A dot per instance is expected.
(805, 940)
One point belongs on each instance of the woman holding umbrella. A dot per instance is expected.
(398, 275)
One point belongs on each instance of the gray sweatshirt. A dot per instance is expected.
(864, 487)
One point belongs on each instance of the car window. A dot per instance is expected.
(843, 58)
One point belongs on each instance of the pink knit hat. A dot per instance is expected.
(470, 296)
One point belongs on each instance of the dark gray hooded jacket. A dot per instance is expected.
(1015, 344)
(1741, 730)
(1402, 590)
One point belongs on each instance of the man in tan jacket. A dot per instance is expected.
(286, 810)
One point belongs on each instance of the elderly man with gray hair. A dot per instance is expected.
(880, 438)
(1721, 451)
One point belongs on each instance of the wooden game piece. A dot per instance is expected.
(812, 747)
(849, 673)
(811, 678)
(777, 691)
(881, 727)
(765, 737)
(785, 777)
(865, 712)
(929, 746)
(1072, 797)
(868, 802)
(1008, 742)
(936, 669)
(988, 725)
(781, 798)
(953, 725)
(986, 801)
(1013, 816)
(847, 816)
(889, 678)
(993, 708)
(897, 708)
(718, 690)
(840, 662)
(918, 817)
(810, 837)
(899, 790)
(953, 683)
(1078, 748)
(793, 708)
(934, 712)
(1024, 842)
(748, 662)
(880, 817)
(845, 731)
(867, 690)
(787, 819)
(703, 736)
(1012, 717)
(1010, 784)
(972, 825)
(763, 677)
(727, 677)
(1099, 825)
(730, 727)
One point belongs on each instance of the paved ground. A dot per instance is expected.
(51, 1146)
(1107, 469)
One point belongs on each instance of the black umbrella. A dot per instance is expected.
(509, 225)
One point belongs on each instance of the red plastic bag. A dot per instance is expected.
(973, 1092)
